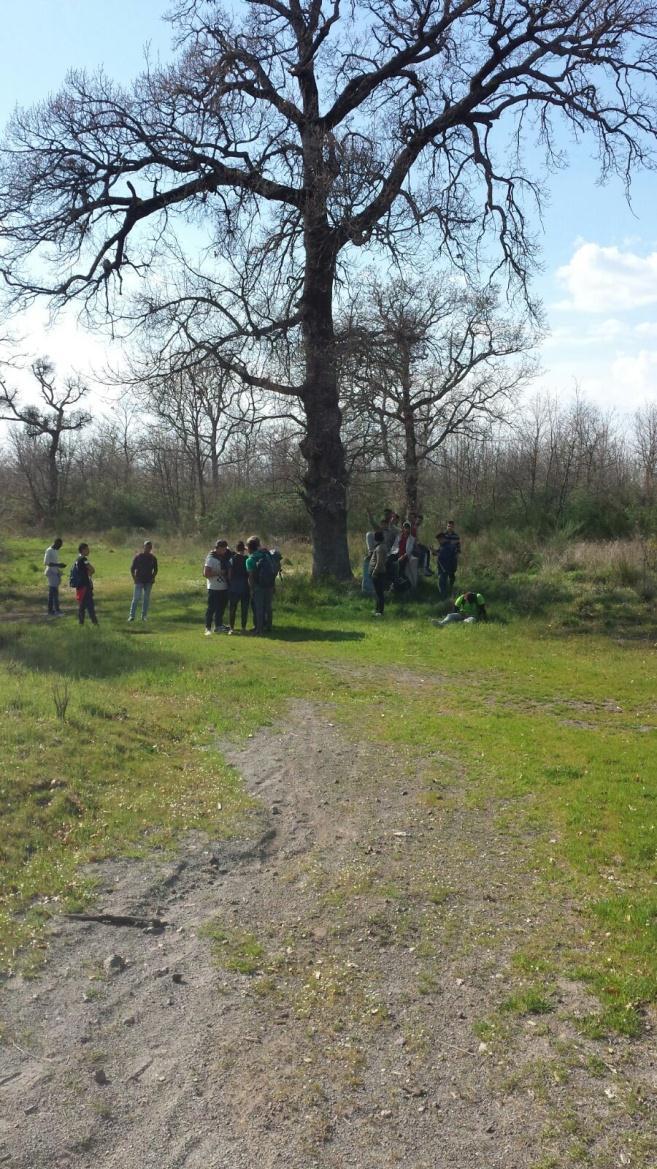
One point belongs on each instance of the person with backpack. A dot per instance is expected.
(53, 571)
(215, 571)
(80, 579)
(238, 587)
(262, 576)
(143, 571)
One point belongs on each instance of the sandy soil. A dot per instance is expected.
(365, 936)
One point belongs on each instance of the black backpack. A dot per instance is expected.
(75, 576)
(265, 572)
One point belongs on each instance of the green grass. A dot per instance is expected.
(553, 729)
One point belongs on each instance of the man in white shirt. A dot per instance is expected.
(53, 572)
(215, 571)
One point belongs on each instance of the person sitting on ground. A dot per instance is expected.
(143, 571)
(468, 607)
(238, 587)
(262, 576)
(215, 571)
(379, 572)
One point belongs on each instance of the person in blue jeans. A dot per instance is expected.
(143, 571)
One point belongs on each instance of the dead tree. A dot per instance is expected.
(300, 132)
(45, 427)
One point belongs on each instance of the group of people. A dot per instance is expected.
(243, 579)
(396, 557)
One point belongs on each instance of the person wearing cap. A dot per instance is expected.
(469, 607)
(143, 571)
(215, 571)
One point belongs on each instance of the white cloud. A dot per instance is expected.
(604, 280)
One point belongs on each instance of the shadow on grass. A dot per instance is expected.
(298, 633)
(82, 653)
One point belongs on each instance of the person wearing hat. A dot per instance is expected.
(143, 571)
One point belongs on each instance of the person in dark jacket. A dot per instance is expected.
(238, 587)
(143, 571)
(84, 589)
(447, 558)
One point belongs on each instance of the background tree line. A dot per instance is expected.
(194, 456)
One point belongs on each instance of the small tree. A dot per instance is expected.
(426, 361)
(45, 427)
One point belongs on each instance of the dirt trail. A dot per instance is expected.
(362, 936)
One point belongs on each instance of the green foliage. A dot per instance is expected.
(248, 511)
(554, 731)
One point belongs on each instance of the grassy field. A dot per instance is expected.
(549, 712)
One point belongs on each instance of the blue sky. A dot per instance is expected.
(599, 279)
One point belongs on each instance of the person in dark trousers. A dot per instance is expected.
(84, 589)
(215, 571)
(53, 571)
(378, 571)
(447, 558)
(143, 571)
(238, 587)
(262, 575)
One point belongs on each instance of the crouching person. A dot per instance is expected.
(262, 571)
(468, 607)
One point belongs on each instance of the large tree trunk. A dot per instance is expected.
(411, 472)
(325, 480)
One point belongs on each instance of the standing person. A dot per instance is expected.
(53, 572)
(422, 552)
(238, 587)
(378, 571)
(447, 558)
(81, 579)
(262, 575)
(143, 571)
(215, 571)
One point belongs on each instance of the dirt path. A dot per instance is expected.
(340, 1013)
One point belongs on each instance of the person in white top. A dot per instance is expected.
(215, 571)
(53, 572)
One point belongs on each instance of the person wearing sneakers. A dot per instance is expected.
(143, 571)
(215, 571)
(378, 571)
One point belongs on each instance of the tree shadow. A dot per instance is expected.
(298, 633)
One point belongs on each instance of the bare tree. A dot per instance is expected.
(203, 405)
(429, 360)
(40, 447)
(300, 131)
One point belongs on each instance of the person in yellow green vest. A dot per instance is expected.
(468, 607)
